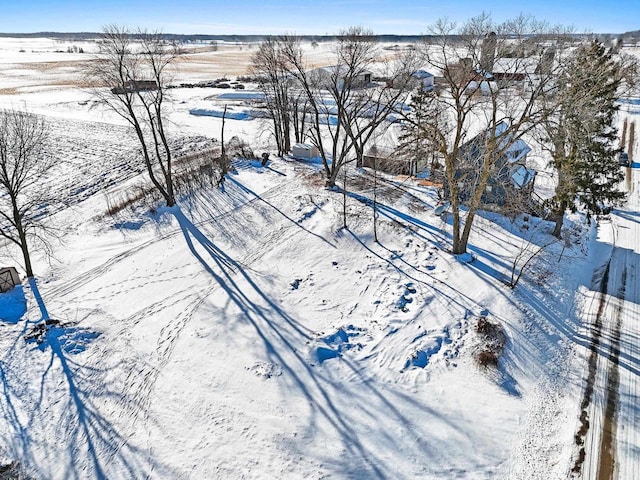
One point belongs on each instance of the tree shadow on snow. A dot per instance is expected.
(420, 228)
(272, 206)
(69, 395)
(13, 305)
(331, 401)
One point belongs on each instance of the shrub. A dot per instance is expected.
(486, 358)
(13, 471)
(492, 340)
(237, 148)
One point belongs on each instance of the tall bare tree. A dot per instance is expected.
(23, 164)
(369, 111)
(130, 77)
(269, 65)
(632, 140)
(473, 98)
(345, 105)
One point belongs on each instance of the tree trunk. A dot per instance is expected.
(25, 250)
(148, 163)
(632, 139)
(360, 156)
(286, 127)
(558, 216)
(474, 205)
(333, 176)
(344, 200)
(466, 232)
(375, 200)
(456, 247)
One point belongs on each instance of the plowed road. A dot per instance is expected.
(608, 439)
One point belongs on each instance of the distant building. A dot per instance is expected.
(135, 86)
(327, 77)
(488, 51)
(425, 79)
(463, 73)
(383, 159)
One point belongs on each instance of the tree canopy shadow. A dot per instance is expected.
(68, 397)
(331, 401)
(13, 305)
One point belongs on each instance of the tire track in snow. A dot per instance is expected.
(607, 460)
(599, 461)
(97, 271)
(592, 369)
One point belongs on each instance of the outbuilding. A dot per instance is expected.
(304, 151)
(425, 79)
(9, 278)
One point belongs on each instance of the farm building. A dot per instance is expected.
(135, 86)
(304, 151)
(393, 161)
(9, 278)
(381, 158)
(325, 77)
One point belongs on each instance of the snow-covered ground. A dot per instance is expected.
(245, 334)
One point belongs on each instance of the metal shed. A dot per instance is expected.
(304, 151)
(9, 278)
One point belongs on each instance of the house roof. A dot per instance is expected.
(303, 146)
(341, 70)
(422, 74)
(515, 152)
(379, 151)
(518, 150)
(515, 65)
(522, 176)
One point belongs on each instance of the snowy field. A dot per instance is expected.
(245, 334)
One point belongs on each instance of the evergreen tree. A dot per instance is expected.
(582, 134)
(416, 142)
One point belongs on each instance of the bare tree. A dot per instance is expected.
(370, 111)
(345, 105)
(269, 65)
(474, 99)
(523, 258)
(130, 77)
(23, 164)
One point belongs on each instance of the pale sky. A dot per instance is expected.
(303, 16)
